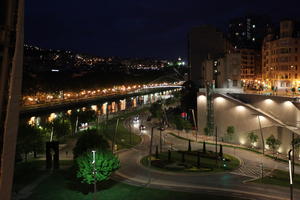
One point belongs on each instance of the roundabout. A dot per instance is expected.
(232, 183)
(191, 162)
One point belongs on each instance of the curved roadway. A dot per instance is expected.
(226, 184)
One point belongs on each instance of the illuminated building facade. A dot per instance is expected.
(281, 56)
(224, 72)
(250, 64)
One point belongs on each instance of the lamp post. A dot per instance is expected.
(263, 145)
(261, 134)
(194, 120)
(291, 174)
(293, 144)
(130, 132)
(94, 173)
(160, 139)
(114, 136)
(151, 141)
(150, 153)
(216, 146)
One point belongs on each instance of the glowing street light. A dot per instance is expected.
(291, 174)
(94, 172)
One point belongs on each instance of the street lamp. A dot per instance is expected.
(114, 136)
(151, 140)
(194, 120)
(160, 139)
(263, 145)
(150, 153)
(293, 144)
(94, 173)
(291, 174)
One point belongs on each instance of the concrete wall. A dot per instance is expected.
(228, 112)
(280, 107)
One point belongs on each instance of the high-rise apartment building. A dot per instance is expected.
(281, 56)
(248, 32)
(223, 72)
(250, 64)
(205, 42)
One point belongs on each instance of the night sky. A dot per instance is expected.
(135, 28)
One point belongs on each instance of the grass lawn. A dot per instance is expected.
(60, 186)
(124, 138)
(280, 178)
(27, 172)
(207, 162)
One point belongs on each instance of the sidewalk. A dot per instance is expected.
(193, 136)
(133, 173)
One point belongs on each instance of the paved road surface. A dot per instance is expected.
(231, 183)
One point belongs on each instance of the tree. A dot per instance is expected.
(61, 127)
(78, 116)
(88, 141)
(170, 101)
(189, 146)
(105, 164)
(253, 138)
(204, 148)
(87, 116)
(169, 155)
(182, 123)
(156, 110)
(30, 139)
(273, 143)
(230, 132)
(296, 142)
(73, 117)
(273, 89)
(293, 91)
(206, 131)
(221, 151)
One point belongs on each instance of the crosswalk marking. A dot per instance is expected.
(249, 169)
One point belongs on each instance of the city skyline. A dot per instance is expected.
(149, 100)
(135, 28)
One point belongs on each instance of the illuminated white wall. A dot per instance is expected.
(201, 112)
(228, 112)
(280, 107)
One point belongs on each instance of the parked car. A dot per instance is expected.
(136, 119)
(142, 127)
(161, 128)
